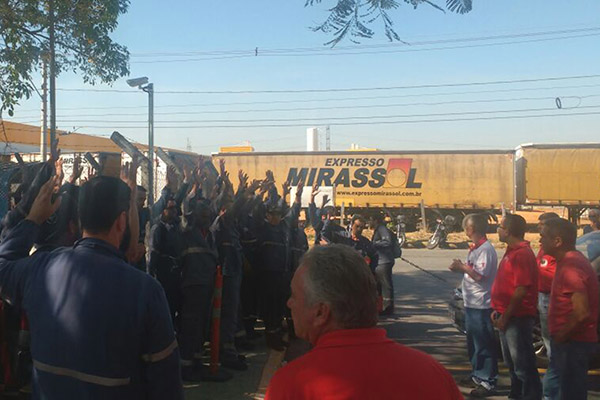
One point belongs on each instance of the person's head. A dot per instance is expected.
(475, 225)
(202, 214)
(558, 236)
(332, 289)
(274, 213)
(545, 217)
(594, 217)
(140, 200)
(376, 219)
(512, 228)
(328, 212)
(170, 212)
(103, 209)
(357, 225)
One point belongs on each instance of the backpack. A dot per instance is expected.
(396, 249)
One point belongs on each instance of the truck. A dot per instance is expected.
(412, 183)
(558, 175)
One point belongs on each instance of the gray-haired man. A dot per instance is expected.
(479, 272)
(334, 306)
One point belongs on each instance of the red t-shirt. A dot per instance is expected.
(574, 273)
(546, 268)
(362, 364)
(517, 268)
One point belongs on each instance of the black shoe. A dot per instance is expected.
(515, 394)
(203, 374)
(388, 311)
(481, 391)
(234, 362)
(242, 343)
(275, 341)
(467, 382)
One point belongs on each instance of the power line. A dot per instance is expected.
(387, 105)
(469, 46)
(320, 100)
(350, 123)
(332, 52)
(252, 51)
(326, 119)
(359, 89)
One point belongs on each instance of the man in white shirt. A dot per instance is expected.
(479, 272)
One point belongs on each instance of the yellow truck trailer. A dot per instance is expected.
(392, 179)
(565, 175)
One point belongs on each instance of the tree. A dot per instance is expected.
(351, 18)
(81, 41)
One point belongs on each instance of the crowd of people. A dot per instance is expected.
(559, 285)
(104, 281)
(118, 296)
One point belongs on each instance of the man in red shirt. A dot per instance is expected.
(514, 300)
(573, 315)
(334, 307)
(546, 267)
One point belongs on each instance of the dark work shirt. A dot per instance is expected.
(99, 328)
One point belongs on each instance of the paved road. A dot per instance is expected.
(421, 321)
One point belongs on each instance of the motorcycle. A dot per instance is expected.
(401, 230)
(440, 234)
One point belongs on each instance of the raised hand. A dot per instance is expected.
(285, 187)
(270, 176)
(77, 169)
(222, 167)
(313, 192)
(43, 206)
(187, 173)
(60, 174)
(243, 178)
(256, 183)
(171, 177)
(299, 190)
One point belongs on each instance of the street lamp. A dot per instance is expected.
(142, 83)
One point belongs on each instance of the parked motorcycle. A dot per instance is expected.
(401, 230)
(440, 234)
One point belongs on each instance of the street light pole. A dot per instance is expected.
(149, 88)
(142, 83)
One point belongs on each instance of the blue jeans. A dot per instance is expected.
(481, 345)
(566, 377)
(543, 305)
(519, 357)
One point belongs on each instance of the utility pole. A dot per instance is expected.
(188, 146)
(327, 138)
(149, 88)
(44, 124)
(53, 149)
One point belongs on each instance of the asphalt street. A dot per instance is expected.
(421, 321)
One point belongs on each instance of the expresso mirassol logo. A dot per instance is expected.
(358, 172)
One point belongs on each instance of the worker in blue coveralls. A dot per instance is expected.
(99, 328)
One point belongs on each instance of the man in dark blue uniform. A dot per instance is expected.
(273, 262)
(165, 247)
(100, 328)
(199, 259)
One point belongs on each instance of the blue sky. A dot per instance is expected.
(469, 113)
